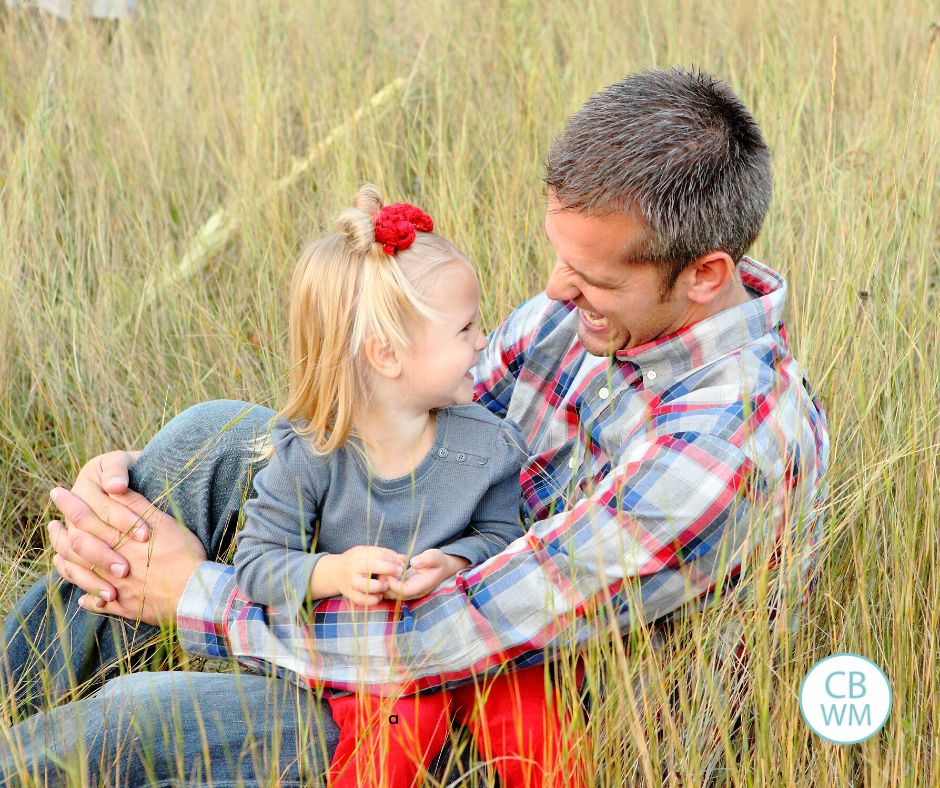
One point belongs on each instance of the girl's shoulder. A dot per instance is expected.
(290, 443)
(474, 429)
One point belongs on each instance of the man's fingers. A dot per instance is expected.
(112, 471)
(107, 517)
(94, 553)
(89, 602)
(79, 514)
(83, 578)
(85, 550)
(95, 605)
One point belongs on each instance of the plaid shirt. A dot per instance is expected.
(653, 475)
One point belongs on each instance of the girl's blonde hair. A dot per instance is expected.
(346, 289)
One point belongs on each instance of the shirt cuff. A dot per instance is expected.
(203, 611)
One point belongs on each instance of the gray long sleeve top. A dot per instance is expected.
(463, 498)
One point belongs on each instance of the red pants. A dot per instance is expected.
(515, 725)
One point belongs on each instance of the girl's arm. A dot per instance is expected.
(495, 522)
(273, 558)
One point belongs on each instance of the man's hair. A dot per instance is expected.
(681, 149)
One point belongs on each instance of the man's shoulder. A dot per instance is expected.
(756, 398)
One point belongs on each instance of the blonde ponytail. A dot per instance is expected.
(345, 289)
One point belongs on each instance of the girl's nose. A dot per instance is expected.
(560, 286)
(482, 341)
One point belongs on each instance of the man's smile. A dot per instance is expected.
(594, 322)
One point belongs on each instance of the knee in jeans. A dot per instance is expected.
(220, 427)
(208, 421)
(143, 686)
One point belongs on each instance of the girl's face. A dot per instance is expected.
(438, 363)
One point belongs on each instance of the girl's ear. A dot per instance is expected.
(382, 357)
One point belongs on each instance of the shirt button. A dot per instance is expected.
(442, 453)
(604, 393)
(572, 463)
(461, 457)
(651, 375)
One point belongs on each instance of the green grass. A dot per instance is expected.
(113, 155)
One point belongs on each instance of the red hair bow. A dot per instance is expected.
(396, 226)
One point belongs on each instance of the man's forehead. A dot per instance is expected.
(579, 237)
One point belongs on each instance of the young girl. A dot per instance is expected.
(379, 456)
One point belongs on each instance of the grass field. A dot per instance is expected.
(114, 153)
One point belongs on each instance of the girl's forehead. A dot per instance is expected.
(454, 288)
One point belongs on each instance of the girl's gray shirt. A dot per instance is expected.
(463, 498)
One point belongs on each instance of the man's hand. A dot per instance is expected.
(428, 570)
(132, 559)
(351, 574)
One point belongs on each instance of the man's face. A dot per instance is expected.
(619, 303)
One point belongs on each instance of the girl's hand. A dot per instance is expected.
(428, 570)
(351, 574)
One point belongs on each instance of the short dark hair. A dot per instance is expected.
(678, 146)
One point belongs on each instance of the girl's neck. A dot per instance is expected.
(395, 441)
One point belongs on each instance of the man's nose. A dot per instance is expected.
(560, 287)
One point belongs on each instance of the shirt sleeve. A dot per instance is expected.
(496, 520)
(665, 526)
(273, 562)
(495, 373)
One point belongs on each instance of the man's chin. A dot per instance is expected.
(600, 345)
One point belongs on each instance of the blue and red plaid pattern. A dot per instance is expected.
(653, 475)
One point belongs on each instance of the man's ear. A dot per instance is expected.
(708, 277)
(382, 357)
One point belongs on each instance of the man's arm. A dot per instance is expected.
(664, 527)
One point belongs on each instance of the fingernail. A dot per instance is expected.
(117, 480)
(105, 595)
(53, 493)
(118, 570)
(141, 533)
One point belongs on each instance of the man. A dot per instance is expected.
(671, 433)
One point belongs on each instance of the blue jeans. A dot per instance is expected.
(169, 728)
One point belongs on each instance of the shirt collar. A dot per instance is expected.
(671, 357)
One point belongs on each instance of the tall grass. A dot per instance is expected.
(114, 152)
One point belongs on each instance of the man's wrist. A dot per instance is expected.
(204, 609)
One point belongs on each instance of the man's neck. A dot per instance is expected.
(733, 295)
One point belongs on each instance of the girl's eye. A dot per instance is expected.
(468, 327)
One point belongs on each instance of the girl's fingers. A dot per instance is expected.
(393, 589)
(381, 566)
(84, 579)
(368, 585)
(381, 560)
(431, 557)
(364, 600)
